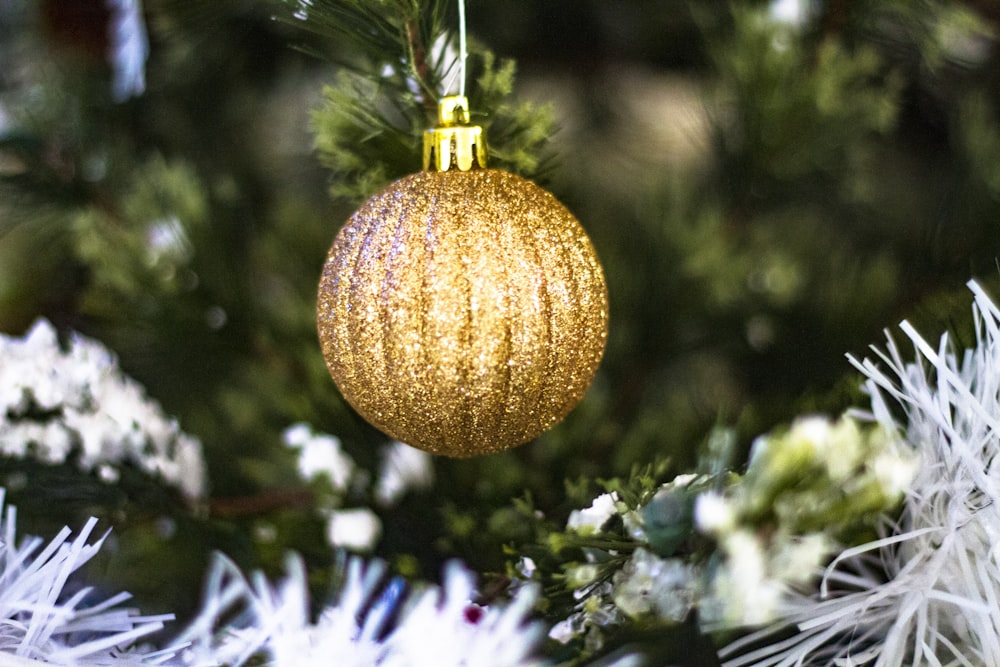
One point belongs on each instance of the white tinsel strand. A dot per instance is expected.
(128, 50)
(371, 622)
(41, 623)
(928, 591)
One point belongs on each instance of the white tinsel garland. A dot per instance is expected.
(47, 618)
(928, 591)
(372, 621)
(41, 621)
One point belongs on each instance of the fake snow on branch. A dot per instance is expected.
(70, 403)
(43, 622)
(928, 591)
(374, 620)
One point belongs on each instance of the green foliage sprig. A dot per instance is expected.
(369, 126)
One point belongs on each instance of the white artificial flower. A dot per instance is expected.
(579, 576)
(594, 611)
(320, 455)
(526, 567)
(745, 589)
(713, 513)
(682, 481)
(297, 435)
(895, 467)
(563, 631)
(927, 592)
(43, 622)
(635, 524)
(647, 584)
(836, 444)
(403, 468)
(797, 559)
(372, 622)
(70, 403)
(357, 528)
(590, 520)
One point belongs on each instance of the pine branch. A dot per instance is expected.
(377, 35)
(369, 128)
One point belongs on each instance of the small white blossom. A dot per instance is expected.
(745, 590)
(320, 456)
(713, 514)
(297, 435)
(797, 560)
(71, 403)
(358, 529)
(580, 576)
(594, 612)
(836, 444)
(590, 520)
(635, 524)
(647, 584)
(403, 468)
(683, 481)
(526, 567)
(564, 631)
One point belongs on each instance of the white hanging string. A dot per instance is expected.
(462, 51)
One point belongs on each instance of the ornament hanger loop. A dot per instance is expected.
(454, 144)
(463, 52)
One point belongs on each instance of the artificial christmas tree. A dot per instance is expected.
(767, 185)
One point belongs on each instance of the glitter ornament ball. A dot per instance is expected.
(462, 311)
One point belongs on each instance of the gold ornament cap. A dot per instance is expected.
(454, 144)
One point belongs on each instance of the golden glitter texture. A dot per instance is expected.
(463, 312)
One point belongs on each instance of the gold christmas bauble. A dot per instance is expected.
(462, 312)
